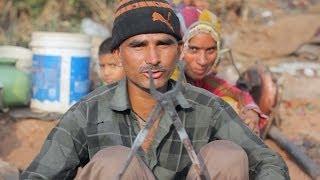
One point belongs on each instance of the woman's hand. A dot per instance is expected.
(251, 119)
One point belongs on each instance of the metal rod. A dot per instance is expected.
(165, 102)
(140, 138)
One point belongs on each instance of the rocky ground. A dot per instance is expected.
(284, 35)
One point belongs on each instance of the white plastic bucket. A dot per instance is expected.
(61, 64)
(22, 55)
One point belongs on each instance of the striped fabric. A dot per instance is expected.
(104, 118)
(222, 88)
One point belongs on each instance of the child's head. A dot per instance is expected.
(110, 68)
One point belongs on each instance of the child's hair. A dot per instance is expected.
(105, 47)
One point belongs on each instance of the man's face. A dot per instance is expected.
(156, 51)
(200, 55)
(110, 68)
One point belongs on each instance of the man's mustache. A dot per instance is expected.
(153, 68)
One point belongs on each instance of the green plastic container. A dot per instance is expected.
(1, 98)
(16, 84)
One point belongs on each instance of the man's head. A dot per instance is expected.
(110, 68)
(201, 46)
(145, 36)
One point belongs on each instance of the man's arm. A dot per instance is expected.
(263, 162)
(63, 151)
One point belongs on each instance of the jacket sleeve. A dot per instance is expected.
(263, 162)
(63, 151)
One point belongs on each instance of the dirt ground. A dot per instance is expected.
(282, 38)
(294, 170)
(299, 110)
(21, 140)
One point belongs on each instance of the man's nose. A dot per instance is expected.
(153, 56)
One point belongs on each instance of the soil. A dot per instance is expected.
(21, 140)
(299, 110)
(295, 171)
(282, 37)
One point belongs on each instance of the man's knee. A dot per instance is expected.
(108, 163)
(227, 150)
(225, 160)
(114, 153)
(105, 163)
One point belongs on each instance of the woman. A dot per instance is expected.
(201, 53)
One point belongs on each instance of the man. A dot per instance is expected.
(201, 54)
(110, 68)
(97, 132)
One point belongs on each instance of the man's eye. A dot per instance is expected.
(101, 65)
(164, 45)
(166, 42)
(137, 44)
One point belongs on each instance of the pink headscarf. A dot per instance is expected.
(190, 15)
(197, 21)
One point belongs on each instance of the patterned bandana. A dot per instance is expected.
(134, 17)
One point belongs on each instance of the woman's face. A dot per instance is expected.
(200, 55)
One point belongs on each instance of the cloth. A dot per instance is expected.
(104, 118)
(190, 15)
(107, 163)
(222, 88)
(136, 17)
(224, 160)
(239, 100)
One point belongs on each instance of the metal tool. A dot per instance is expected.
(166, 103)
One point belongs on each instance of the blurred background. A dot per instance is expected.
(281, 35)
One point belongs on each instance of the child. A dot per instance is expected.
(110, 68)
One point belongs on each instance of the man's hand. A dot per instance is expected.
(251, 119)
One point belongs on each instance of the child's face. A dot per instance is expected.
(110, 68)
